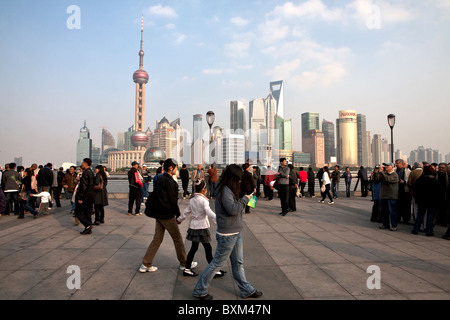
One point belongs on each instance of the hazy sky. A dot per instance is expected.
(375, 57)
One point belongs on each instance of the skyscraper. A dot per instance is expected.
(314, 144)
(310, 121)
(139, 139)
(108, 140)
(363, 156)
(347, 138)
(84, 145)
(329, 136)
(257, 122)
(238, 118)
(277, 90)
(197, 145)
(377, 150)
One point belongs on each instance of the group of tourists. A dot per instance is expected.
(33, 190)
(417, 196)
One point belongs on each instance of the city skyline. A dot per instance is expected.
(327, 53)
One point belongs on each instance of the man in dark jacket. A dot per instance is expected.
(362, 176)
(388, 195)
(135, 189)
(166, 211)
(184, 176)
(85, 196)
(45, 179)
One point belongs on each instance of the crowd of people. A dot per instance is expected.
(37, 189)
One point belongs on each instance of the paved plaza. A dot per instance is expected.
(320, 252)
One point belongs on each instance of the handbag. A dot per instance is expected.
(99, 187)
(323, 188)
(22, 197)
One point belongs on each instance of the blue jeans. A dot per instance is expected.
(389, 212)
(227, 247)
(347, 188)
(25, 206)
(335, 189)
(212, 189)
(430, 212)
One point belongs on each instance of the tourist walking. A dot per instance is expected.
(69, 183)
(135, 189)
(198, 232)
(85, 196)
(335, 179)
(388, 195)
(229, 208)
(212, 173)
(347, 175)
(24, 204)
(184, 175)
(326, 186)
(164, 208)
(311, 182)
(100, 194)
(303, 179)
(283, 186)
(426, 195)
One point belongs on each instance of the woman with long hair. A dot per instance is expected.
(229, 208)
(100, 195)
(326, 182)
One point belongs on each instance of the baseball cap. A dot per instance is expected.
(388, 164)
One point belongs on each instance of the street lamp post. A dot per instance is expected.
(210, 118)
(391, 122)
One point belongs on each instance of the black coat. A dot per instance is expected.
(100, 196)
(45, 177)
(426, 191)
(85, 190)
(166, 198)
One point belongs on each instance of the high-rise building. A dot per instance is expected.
(277, 90)
(84, 145)
(363, 155)
(310, 121)
(257, 122)
(108, 141)
(18, 161)
(238, 118)
(164, 137)
(347, 138)
(233, 149)
(314, 144)
(329, 136)
(197, 144)
(377, 150)
(217, 151)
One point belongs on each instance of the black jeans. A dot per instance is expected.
(56, 193)
(83, 211)
(327, 193)
(99, 212)
(283, 193)
(292, 198)
(311, 188)
(134, 197)
(12, 203)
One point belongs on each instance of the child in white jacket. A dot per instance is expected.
(198, 231)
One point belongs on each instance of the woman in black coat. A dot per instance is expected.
(100, 194)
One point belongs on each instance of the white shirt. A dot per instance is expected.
(199, 211)
(45, 196)
(326, 178)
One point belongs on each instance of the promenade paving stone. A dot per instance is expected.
(320, 252)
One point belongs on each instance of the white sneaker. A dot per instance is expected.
(331, 202)
(320, 201)
(193, 265)
(144, 269)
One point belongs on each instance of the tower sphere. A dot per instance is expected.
(141, 77)
(139, 139)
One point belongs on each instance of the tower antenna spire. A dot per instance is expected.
(141, 52)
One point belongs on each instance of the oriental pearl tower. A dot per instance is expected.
(139, 139)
